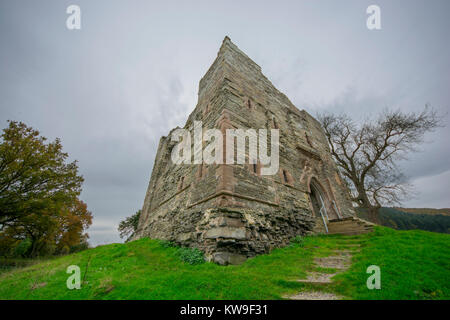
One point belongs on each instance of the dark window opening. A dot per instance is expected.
(180, 186)
(308, 140)
(275, 124)
(206, 109)
(286, 180)
(255, 168)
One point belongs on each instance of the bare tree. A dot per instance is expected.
(367, 154)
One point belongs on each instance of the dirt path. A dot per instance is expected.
(340, 260)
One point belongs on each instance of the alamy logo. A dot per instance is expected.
(73, 21)
(213, 152)
(74, 281)
(374, 281)
(374, 20)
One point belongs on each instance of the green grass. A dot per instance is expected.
(9, 264)
(414, 265)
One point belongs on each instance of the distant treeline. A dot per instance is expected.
(443, 211)
(401, 220)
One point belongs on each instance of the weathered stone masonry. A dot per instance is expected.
(231, 212)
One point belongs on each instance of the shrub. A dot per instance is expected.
(84, 245)
(191, 256)
(167, 244)
(7, 245)
(64, 250)
(297, 241)
(22, 248)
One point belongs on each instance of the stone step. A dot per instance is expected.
(341, 260)
(349, 223)
(318, 278)
(347, 252)
(314, 295)
(333, 231)
(335, 262)
(343, 219)
(351, 245)
(349, 226)
(350, 233)
(352, 223)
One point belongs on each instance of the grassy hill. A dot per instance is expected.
(414, 265)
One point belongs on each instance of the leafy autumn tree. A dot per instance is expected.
(55, 230)
(367, 154)
(39, 193)
(34, 174)
(73, 223)
(128, 227)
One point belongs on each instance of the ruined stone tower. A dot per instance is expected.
(232, 212)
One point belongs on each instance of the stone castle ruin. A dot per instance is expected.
(230, 211)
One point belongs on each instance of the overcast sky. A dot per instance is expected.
(111, 89)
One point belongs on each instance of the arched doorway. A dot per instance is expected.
(321, 205)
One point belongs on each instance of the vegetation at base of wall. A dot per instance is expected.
(167, 244)
(188, 255)
(402, 220)
(414, 265)
(297, 241)
(191, 255)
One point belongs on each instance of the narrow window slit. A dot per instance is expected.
(285, 176)
(181, 184)
(275, 124)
